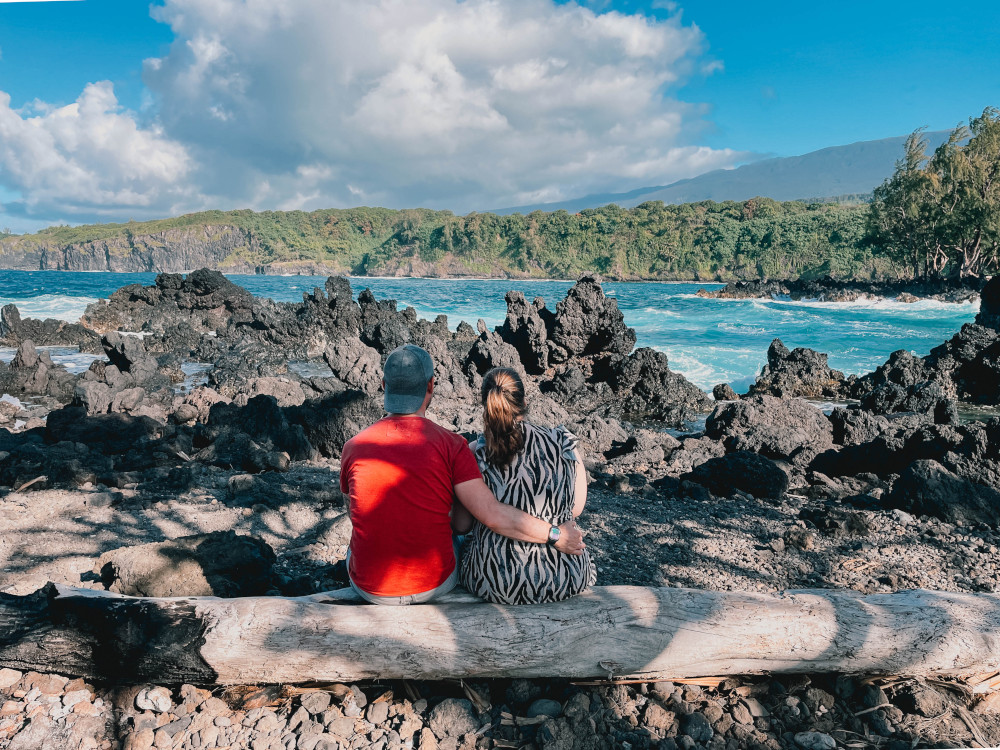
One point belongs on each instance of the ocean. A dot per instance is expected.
(708, 340)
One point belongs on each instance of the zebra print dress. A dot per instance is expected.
(539, 481)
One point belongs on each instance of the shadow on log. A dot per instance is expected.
(615, 631)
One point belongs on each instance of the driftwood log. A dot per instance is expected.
(613, 631)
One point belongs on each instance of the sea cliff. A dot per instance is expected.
(171, 250)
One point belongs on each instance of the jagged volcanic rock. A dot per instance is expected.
(989, 306)
(204, 299)
(330, 422)
(14, 330)
(31, 373)
(742, 470)
(528, 329)
(489, 351)
(926, 398)
(355, 364)
(252, 436)
(802, 373)
(777, 428)
(645, 388)
(584, 353)
(928, 488)
(838, 290)
(724, 392)
(588, 322)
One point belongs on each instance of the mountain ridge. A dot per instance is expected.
(816, 175)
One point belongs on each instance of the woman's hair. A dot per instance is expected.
(503, 410)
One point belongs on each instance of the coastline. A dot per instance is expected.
(794, 289)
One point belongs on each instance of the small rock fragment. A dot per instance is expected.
(815, 741)
(155, 699)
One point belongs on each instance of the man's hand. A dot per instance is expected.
(507, 520)
(570, 539)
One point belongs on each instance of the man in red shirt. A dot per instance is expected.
(402, 475)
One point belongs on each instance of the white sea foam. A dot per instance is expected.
(58, 306)
(75, 362)
(701, 373)
(737, 327)
(708, 365)
(827, 407)
(13, 400)
(865, 302)
(879, 303)
(196, 374)
(663, 313)
(69, 357)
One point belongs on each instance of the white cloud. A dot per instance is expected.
(439, 103)
(88, 158)
(460, 104)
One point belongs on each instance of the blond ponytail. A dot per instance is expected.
(503, 411)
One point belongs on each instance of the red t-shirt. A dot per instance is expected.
(400, 474)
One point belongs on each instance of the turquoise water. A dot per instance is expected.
(709, 341)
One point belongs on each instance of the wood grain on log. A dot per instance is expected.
(652, 633)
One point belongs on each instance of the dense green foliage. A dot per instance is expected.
(940, 216)
(705, 240)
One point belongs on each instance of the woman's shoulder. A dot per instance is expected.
(559, 436)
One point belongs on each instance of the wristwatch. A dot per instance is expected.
(554, 534)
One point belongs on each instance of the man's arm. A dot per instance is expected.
(508, 521)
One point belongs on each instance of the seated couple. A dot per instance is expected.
(413, 485)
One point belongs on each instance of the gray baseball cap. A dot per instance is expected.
(406, 373)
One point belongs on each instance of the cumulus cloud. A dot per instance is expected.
(88, 158)
(440, 103)
(460, 104)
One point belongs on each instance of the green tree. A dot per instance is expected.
(941, 216)
(902, 216)
(969, 200)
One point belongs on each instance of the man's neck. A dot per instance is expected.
(421, 413)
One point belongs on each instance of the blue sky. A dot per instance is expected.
(117, 112)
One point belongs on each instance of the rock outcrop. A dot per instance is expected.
(928, 488)
(800, 373)
(14, 331)
(589, 322)
(989, 305)
(743, 470)
(528, 329)
(204, 300)
(584, 356)
(219, 563)
(776, 428)
(966, 367)
(839, 290)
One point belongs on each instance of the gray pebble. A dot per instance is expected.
(316, 703)
(544, 707)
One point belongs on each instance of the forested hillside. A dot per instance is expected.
(707, 240)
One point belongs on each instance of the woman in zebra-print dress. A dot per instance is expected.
(537, 470)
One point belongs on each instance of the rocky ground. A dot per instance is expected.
(125, 477)
(835, 290)
(54, 712)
